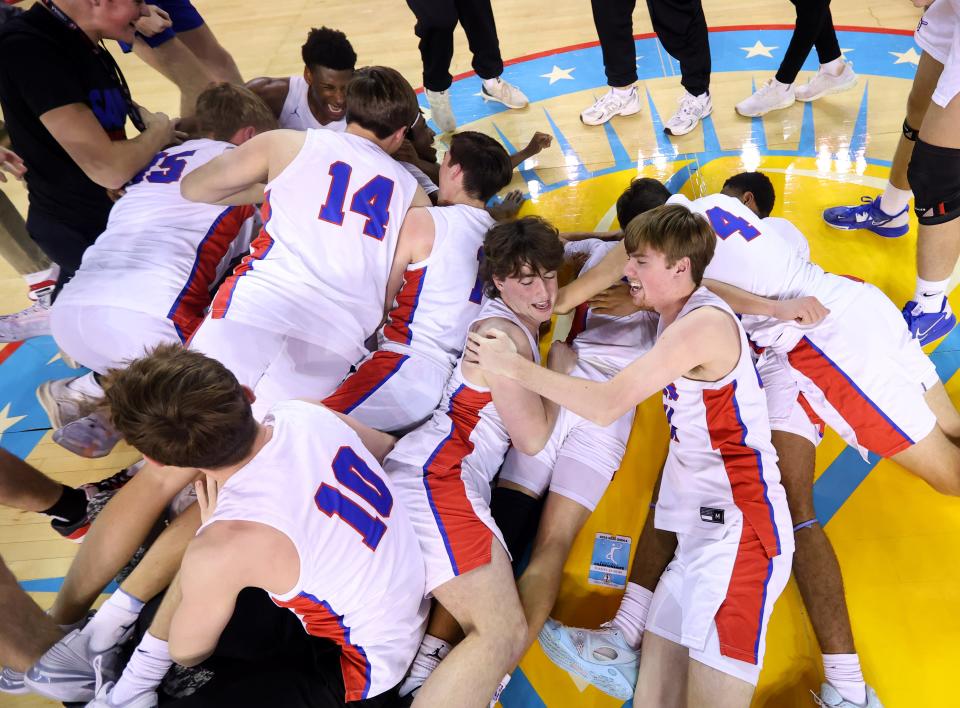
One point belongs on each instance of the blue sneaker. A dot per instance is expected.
(929, 326)
(868, 216)
(11, 681)
(601, 656)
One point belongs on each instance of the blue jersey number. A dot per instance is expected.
(476, 295)
(353, 473)
(372, 200)
(164, 169)
(727, 224)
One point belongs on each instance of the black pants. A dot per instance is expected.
(265, 658)
(680, 26)
(63, 243)
(814, 29)
(436, 21)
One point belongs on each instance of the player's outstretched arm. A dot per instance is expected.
(692, 342)
(802, 310)
(594, 281)
(273, 91)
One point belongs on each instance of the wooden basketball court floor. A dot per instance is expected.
(895, 538)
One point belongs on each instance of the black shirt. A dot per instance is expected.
(44, 65)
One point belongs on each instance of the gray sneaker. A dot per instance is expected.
(692, 110)
(441, 110)
(830, 698)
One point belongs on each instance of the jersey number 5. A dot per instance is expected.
(372, 200)
(353, 473)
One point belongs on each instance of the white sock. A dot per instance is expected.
(621, 91)
(631, 618)
(895, 200)
(835, 67)
(842, 671)
(113, 620)
(431, 652)
(929, 294)
(86, 385)
(145, 670)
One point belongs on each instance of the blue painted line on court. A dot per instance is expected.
(54, 585)
(520, 693)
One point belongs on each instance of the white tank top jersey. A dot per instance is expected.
(361, 571)
(609, 343)
(721, 464)
(465, 431)
(296, 113)
(160, 253)
(791, 234)
(441, 295)
(753, 257)
(318, 271)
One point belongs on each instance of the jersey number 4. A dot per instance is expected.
(372, 200)
(354, 474)
(727, 224)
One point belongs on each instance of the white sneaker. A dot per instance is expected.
(34, 321)
(441, 110)
(65, 672)
(104, 699)
(692, 110)
(62, 404)
(824, 83)
(11, 681)
(601, 656)
(506, 93)
(830, 698)
(612, 103)
(771, 96)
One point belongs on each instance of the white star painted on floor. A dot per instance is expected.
(556, 74)
(908, 57)
(759, 50)
(7, 421)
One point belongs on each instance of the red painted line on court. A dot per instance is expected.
(8, 351)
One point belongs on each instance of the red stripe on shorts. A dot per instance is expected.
(740, 618)
(364, 382)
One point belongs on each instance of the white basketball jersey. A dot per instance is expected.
(721, 464)
(362, 579)
(441, 295)
(160, 253)
(609, 343)
(318, 271)
(465, 431)
(753, 257)
(296, 113)
(791, 234)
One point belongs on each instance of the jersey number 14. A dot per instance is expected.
(372, 200)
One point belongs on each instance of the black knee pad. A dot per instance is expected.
(909, 133)
(934, 176)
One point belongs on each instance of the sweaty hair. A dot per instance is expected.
(643, 194)
(181, 408)
(676, 232)
(381, 100)
(757, 184)
(330, 48)
(508, 247)
(486, 165)
(224, 108)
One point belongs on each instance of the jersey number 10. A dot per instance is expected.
(353, 473)
(372, 200)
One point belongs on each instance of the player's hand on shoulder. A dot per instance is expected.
(12, 163)
(561, 357)
(615, 301)
(802, 310)
(208, 490)
(162, 123)
(491, 349)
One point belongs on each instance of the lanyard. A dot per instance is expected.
(106, 59)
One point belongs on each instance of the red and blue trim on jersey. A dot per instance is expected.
(743, 463)
(466, 538)
(188, 309)
(319, 620)
(400, 319)
(365, 381)
(740, 618)
(873, 428)
(579, 321)
(258, 251)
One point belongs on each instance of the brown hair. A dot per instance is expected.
(224, 108)
(676, 232)
(181, 408)
(508, 247)
(380, 100)
(485, 164)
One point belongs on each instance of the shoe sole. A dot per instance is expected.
(559, 656)
(769, 110)
(829, 92)
(612, 116)
(500, 100)
(64, 688)
(867, 228)
(692, 127)
(49, 404)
